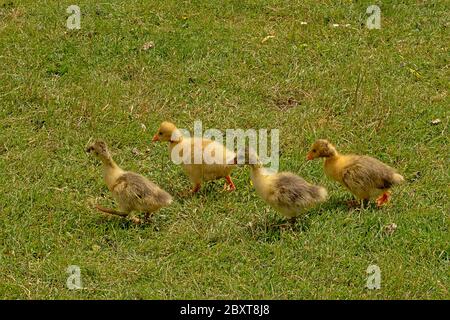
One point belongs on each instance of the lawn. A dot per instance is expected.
(231, 64)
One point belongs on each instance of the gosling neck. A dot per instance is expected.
(175, 142)
(176, 138)
(256, 166)
(256, 170)
(333, 157)
(109, 163)
(111, 171)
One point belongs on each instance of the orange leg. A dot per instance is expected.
(230, 186)
(384, 198)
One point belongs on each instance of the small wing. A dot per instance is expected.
(135, 190)
(365, 174)
(292, 191)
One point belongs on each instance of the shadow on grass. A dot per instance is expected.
(154, 223)
(341, 204)
(334, 204)
(209, 191)
(270, 229)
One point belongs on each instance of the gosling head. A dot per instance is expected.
(321, 149)
(99, 149)
(167, 132)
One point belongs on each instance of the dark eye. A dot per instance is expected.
(313, 150)
(160, 133)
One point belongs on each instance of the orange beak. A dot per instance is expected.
(155, 138)
(309, 156)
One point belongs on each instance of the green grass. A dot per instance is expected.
(369, 91)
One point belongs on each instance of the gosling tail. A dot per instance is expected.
(397, 178)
